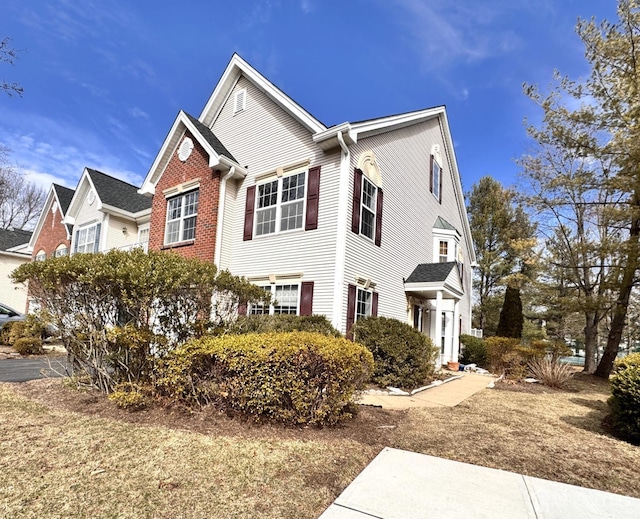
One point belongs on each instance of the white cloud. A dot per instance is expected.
(138, 113)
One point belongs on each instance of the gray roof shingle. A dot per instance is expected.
(431, 272)
(117, 193)
(10, 238)
(64, 196)
(210, 137)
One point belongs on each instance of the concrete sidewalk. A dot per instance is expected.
(399, 484)
(449, 394)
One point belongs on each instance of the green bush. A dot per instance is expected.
(474, 350)
(17, 331)
(129, 396)
(6, 332)
(28, 346)
(293, 378)
(403, 356)
(507, 356)
(624, 402)
(283, 323)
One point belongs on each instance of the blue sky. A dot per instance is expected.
(104, 80)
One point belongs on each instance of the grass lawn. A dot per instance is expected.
(73, 454)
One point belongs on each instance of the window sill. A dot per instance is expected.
(177, 245)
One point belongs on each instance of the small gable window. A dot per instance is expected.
(240, 101)
(182, 212)
(61, 251)
(41, 256)
(444, 251)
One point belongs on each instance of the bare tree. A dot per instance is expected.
(8, 55)
(20, 200)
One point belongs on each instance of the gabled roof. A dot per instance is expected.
(64, 195)
(12, 238)
(219, 156)
(117, 193)
(238, 67)
(441, 223)
(113, 196)
(431, 272)
(60, 195)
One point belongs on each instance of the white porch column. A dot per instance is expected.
(438, 326)
(455, 347)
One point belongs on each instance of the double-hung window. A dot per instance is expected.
(87, 239)
(363, 303)
(182, 212)
(284, 300)
(368, 208)
(280, 204)
(444, 251)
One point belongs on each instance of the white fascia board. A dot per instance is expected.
(328, 138)
(434, 287)
(458, 185)
(43, 215)
(392, 122)
(236, 67)
(78, 197)
(116, 211)
(22, 255)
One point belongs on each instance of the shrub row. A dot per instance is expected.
(624, 402)
(293, 378)
(283, 323)
(24, 336)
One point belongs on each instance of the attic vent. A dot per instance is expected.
(240, 101)
(185, 149)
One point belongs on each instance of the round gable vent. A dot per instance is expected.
(185, 149)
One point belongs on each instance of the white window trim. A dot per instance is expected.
(240, 95)
(181, 219)
(452, 248)
(368, 291)
(41, 256)
(280, 178)
(364, 208)
(272, 289)
(58, 252)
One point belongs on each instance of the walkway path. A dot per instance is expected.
(449, 394)
(399, 484)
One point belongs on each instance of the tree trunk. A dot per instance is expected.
(590, 341)
(620, 310)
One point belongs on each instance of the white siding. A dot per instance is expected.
(115, 238)
(11, 294)
(409, 212)
(264, 137)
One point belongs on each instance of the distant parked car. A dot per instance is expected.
(9, 314)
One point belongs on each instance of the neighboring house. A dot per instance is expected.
(51, 236)
(14, 251)
(357, 219)
(107, 213)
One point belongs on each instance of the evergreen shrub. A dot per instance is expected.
(403, 356)
(624, 401)
(28, 346)
(283, 323)
(292, 378)
(474, 350)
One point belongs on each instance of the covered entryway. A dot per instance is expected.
(434, 291)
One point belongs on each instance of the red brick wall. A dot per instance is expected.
(177, 172)
(52, 234)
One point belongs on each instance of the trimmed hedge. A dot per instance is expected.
(474, 350)
(624, 402)
(403, 356)
(294, 378)
(283, 323)
(28, 346)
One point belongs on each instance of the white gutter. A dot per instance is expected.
(341, 233)
(219, 226)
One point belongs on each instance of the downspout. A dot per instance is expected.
(341, 235)
(223, 194)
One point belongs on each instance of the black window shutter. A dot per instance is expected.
(351, 310)
(313, 193)
(431, 173)
(440, 188)
(357, 194)
(306, 298)
(378, 239)
(75, 245)
(248, 213)
(374, 304)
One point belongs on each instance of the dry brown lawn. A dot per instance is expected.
(66, 453)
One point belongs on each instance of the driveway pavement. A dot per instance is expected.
(21, 370)
(399, 484)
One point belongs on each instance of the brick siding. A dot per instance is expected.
(52, 234)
